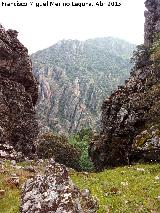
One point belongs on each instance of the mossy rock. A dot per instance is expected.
(141, 139)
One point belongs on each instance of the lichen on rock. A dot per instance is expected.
(54, 191)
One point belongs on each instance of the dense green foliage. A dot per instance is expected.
(81, 141)
(54, 146)
(72, 151)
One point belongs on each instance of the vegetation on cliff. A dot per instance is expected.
(75, 77)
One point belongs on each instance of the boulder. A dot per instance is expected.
(54, 191)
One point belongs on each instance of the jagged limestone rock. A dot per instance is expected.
(134, 107)
(152, 21)
(18, 95)
(54, 192)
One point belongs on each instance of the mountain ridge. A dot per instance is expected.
(84, 71)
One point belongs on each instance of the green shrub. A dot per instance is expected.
(54, 146)
(81, 141)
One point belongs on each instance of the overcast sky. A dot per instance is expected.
(41, 27)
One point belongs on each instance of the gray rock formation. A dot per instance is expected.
(134, 108)
(18, 95)
(152, 21)
(55, 192)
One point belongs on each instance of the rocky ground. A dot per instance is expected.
(133, 188)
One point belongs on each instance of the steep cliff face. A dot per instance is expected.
(75, 77)
(18, 95)
(130, 116)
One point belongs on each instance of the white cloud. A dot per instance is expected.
(42, 27)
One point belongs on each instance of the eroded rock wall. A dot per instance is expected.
(130, 117)
(152, 21)
(18, 96)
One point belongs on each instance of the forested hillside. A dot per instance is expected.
(75, 76)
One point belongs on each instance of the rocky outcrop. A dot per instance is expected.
(75, 77)
(18, 96)
(9, 153)
(130, 116)
(55, 192)
(152, 21)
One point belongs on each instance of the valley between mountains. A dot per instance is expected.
(80, 124)
(75, 77)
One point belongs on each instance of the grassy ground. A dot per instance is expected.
(122, 190)
(9, 203)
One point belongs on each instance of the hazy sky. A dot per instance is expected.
(41, 27)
